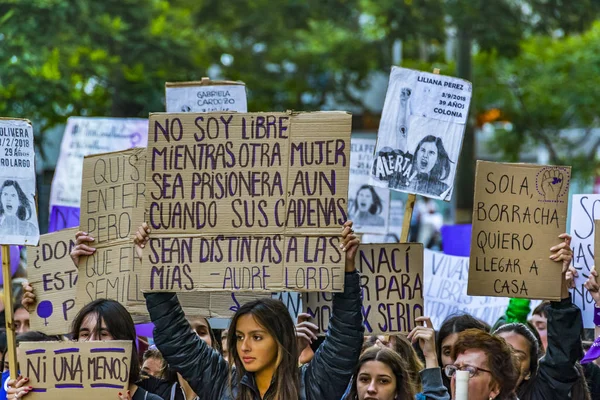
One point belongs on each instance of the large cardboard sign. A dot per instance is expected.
(585, 212)
(206, 96)
(85, 136)
(446, 280)
(392, 289)
(53, 277)
(421, 132)
(112, 198)
(368, 206)
(90, 370)
(250, 202)
(18, 214)
(519, 211)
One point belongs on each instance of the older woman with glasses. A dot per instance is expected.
(493, 369)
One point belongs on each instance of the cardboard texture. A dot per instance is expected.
(62, 370)
(519, 211)
(584, 211)
(206, 96)
(111, 198)
(53, 277)
(392, 289)
(18, 202)
(248, 202)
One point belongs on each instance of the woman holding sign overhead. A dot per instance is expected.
(262, 342)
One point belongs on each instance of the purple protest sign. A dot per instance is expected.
(457, 240)
(62, 217)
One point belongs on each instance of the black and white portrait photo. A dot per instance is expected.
(17, 212)
(420, 133)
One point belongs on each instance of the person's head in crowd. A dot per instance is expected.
(105, 319)
(202, 328)
(153, 363)
(493, 368)
(382, 374)
(431, 158)
(367, 200)
(262, 340)
(21, 319)
(14, 201)
(527, 351)
(224, 348)
(539, 319)
(448, 334)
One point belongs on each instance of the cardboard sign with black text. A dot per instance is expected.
(248, 202)
(64, 370)
(519, 211)
(392, 289)
(53, 276)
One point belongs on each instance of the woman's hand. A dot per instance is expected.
(349, 245)
(29, 299)
(141, 238)
(426, 336)
(16, 389)
(562, 253)
(306, 331)
(82, 248)
(593, 287)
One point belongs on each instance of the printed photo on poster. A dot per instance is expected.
(18, 216)
(421, 132)
(368, 206)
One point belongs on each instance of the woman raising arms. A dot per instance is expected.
(262, 344)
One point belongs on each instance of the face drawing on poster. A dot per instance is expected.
(430, 167)
(16, 210)
(366, 207)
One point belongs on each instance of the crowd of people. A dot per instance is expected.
(265, 355)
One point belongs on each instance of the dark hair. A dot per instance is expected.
(274, 317)
(525, 388)
(541, 309)
(500, 358)
(376, 207)
(456, 324)
(215, 344)
(24, 210)
(405, 386)
(441, 169)
(166, 373)
(118, 322)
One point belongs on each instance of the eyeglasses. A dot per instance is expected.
(450, 370)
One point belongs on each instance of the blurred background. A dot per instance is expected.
(534, 64)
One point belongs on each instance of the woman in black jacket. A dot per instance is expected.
(262, 344)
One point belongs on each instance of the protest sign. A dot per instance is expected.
(519, 212)
(53, 277)
(206, 96)
(85, 136)
(420, 134)
(392, 289)
(446, 291)
(18, 214)
(583, 233)
(90, 370)
(113, 195)
(250, 202)
(368, 206)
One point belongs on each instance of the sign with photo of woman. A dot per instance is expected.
(368, 206)
(421, 132)
(18, 215)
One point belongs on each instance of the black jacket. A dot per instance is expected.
(557, 374)
(324, 378)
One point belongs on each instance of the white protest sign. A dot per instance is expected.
(18, 215)
(446, 280)
(421, 132)
(368, 206)
(583, 215)
(206, 96)
(85, 136)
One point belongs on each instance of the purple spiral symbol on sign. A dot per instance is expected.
(44, 310)
(135, 138)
